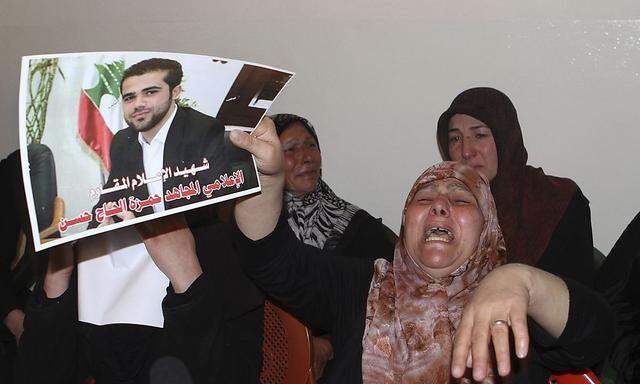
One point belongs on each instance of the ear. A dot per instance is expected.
(175, 93)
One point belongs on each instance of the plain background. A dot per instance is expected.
(373, 77)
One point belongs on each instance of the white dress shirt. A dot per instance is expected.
(118, 282)
(153, 157)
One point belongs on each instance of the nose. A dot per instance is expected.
(440, 207)
(306, 154)
(468, 150)
(139, 102)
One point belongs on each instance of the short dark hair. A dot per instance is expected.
(174, 71)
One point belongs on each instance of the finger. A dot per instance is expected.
(126, 215)
(107, 221)
(240, 139)
(268, 153)
(461, 345)
(266, 129)
(490, 379)
(520, 334)
(500, 340)
(265, 132)
(480, 346)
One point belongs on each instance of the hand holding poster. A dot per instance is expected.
(125, 137)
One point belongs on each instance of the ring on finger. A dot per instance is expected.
(501, 322)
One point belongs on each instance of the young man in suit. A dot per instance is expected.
(136, 296)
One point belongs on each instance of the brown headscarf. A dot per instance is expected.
(411, 316)
(530, 203)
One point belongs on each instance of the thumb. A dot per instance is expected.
(241, 139)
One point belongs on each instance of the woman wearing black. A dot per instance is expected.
(383, 328)
(545, 219)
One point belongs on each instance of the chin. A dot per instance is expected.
(437, 262)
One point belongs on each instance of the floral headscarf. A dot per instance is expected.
(411, 317)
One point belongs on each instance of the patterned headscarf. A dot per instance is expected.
(411, 317)
(318, 218)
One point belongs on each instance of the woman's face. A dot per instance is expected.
(442, 226)
(471, 143)
(302, 160)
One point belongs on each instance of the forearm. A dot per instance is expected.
(298, 276)
(48, 347)
(59, 270)
(171, 245)
(548, 300)
(257, 215)
(14, 321)
(193, 328)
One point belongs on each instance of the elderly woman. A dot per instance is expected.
(315, 214)
(546, 220)
(320, 218)
(395, 322)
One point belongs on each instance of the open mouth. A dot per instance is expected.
(439, 234)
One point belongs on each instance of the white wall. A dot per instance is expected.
(374, 77)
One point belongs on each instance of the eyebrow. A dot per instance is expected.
(453, 186)
(458, 185)
(474, 127)
(151, 88)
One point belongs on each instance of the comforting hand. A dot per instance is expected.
(500, 305)
(59, 270)
(171, 245)
(257, 215)
(322, 353)
(15, 322)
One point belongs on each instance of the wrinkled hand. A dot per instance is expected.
(59, 270)
(265, 145)
(257, 215)
(172, 247)
(15, 322)
(498, 306)
(322, 353)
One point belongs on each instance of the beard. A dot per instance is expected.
(156, 116)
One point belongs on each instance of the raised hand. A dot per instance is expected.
(257, 215)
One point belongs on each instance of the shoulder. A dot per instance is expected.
(124, 137)
(362, 219)
(578, 204)
(366, 234)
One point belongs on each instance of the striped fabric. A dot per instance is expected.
(319, 218)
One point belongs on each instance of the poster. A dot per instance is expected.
(110, 139)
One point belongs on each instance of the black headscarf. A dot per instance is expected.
(530, 204)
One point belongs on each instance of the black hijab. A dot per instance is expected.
(530, 204)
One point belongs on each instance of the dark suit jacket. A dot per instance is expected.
(192, 137)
